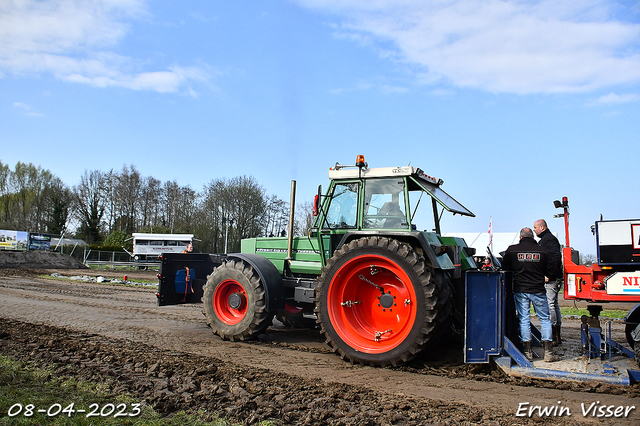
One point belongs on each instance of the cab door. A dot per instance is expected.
(339, 215)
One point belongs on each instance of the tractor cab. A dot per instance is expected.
(378, 201)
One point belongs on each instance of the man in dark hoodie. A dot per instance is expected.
(530, 264)
(554, 282)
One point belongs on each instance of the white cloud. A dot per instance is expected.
(27, 108)
(510, 46)
(612, 98)
(365, 85)
(74, 39)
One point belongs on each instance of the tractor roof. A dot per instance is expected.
(339, 172)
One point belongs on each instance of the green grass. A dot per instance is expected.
(131, 282)
(121, 268)
(612, 313)
(22, 384)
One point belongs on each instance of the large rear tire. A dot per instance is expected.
(235, 302)
(632, 322)
(632, 331)
(378, 302)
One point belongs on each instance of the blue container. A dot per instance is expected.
(181, 284)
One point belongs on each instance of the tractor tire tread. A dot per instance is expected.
(259, 319)
(437, 296)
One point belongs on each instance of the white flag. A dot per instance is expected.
(491, 231)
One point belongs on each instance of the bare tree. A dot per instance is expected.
(126, 198)
(171, 192)
(276, 217)
(151, 193)
(125, 202)
(187, 204)
(232, 208)
(57, 201)
(5, 203)
(210, 215)
(90, 204)
(246, 205)
(587, 259)
(304, 218)
(23, 209)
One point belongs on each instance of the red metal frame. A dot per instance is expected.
(586, 282)
(589, 282)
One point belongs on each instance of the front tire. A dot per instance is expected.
(378, 302)
(235, 301)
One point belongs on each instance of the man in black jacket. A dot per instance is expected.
(530, 264)
(553, 282)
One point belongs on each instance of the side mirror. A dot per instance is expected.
(316, 201)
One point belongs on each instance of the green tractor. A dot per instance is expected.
(378, 289)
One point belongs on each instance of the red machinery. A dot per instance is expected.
(614, 277)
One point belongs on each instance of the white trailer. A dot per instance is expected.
(147, 247)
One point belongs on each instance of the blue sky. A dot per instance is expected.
(513, 103)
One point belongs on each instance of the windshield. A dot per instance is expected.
(384, 205)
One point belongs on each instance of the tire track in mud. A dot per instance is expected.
(130, 315)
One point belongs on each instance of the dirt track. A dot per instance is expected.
(167, 357)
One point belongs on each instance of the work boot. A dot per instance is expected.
(548, 351)
(528, 351)
(558, 336)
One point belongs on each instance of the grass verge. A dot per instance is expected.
(129, 283)
(26, 389)
(611, 313)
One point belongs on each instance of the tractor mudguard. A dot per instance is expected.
(269, 275)
(406, 237)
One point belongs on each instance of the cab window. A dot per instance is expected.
(385, 204)
(343, 210)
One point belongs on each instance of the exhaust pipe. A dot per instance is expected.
(292, 211)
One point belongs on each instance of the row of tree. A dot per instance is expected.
(108, 206)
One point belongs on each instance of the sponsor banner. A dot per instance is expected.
(13, 240)
(39, 242)
(624, 283)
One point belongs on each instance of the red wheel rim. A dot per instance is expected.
(221, 302)
(364, 319)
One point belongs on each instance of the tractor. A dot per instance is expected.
(378, 289)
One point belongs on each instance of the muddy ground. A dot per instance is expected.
(168, 358)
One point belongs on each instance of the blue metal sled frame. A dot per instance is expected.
(485, 338)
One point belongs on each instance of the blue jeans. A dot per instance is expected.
(541, 307)
(553, 287)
